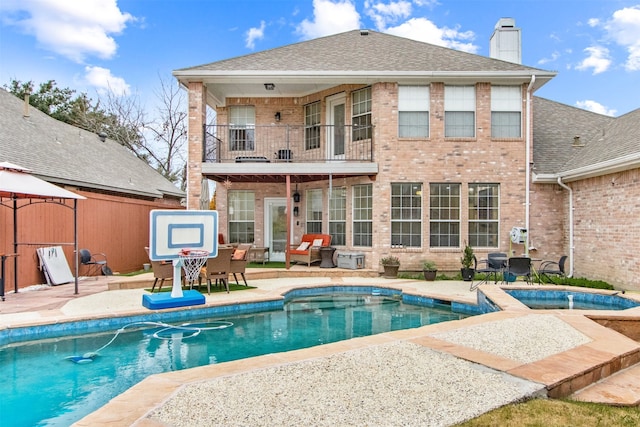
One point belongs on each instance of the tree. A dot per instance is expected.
(49, 98)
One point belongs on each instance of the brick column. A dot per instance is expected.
(197, 117)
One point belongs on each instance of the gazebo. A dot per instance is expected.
(17, 183)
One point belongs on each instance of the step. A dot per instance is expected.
(619, 389)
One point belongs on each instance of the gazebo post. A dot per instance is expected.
(75, 241)
(15, 243)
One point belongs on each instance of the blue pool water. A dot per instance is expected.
(41, 388)
(543, 299)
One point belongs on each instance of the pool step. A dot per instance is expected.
(619, 389)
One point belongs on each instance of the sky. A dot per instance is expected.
(127, 46)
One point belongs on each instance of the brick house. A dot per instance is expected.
(390, 145)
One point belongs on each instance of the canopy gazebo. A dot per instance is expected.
(16, 183)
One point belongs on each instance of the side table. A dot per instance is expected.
(259, 254)
(326, 257)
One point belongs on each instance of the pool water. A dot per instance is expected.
(41, 388)
(553, 299)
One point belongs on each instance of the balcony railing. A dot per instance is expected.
(287, 143)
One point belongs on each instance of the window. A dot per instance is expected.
(484, 214)
(361, 114)
(363, 215)
(314, 211)
(506, 112)
(338, 216)
(242, 121)
(312, 126)
(459, 111)
(406, 215)
(444, 215)
(240, 212)
(413, 111)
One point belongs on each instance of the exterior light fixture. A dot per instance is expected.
(269, 86)
(296, 211)
(278, 116)
(296, 195)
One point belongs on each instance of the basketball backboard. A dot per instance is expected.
(173, 230)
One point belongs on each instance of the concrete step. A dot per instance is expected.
(619, 389)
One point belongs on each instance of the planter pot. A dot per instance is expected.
(467, 274)
(430, 275)
(391, 271)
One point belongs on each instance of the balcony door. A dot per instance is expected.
(275, 227)
(336, 131)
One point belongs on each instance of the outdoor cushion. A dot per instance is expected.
(303, 246)
(238, 254)
(318, 242)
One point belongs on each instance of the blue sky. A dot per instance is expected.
(128, 45)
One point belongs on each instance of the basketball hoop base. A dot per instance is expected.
(163, 300)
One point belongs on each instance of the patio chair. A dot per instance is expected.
(552, 268)
(217, 268)
(494, 264)
(308, 251)
(239, 261)
(95, 262)
(520, 267)
(162, 270)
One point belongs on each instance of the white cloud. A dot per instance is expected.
(554, 57)
(595, 107)
(104, 81)
(624, 29)
(423, 30)
(330, 17)
(74, 29)
(383, 14)
(598, 60)
(255, 34)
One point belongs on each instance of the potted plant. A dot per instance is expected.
(467, 260)
(391, 264)
(429, 269)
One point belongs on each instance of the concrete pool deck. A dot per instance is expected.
(605, 369)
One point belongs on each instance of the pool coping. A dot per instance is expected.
(561, 374)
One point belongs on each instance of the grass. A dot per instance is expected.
(270, 264)
(556, 413)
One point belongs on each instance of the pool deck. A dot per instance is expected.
(606, 369)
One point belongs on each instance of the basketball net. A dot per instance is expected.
(192, 262)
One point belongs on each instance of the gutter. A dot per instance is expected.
(566, 187)
(527, 202)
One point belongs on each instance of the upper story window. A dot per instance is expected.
(413, 111)
(312, 126)
(506, 112)
(242, 124)
(361, 114)
(459, 111)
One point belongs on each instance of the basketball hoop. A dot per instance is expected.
(192, 262)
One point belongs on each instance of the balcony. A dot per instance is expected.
(287, 144)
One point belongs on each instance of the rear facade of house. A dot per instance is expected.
(391, 146)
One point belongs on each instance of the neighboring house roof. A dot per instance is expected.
(64, 154)
(351, 57)
(604, 144)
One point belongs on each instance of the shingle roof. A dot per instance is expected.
(61, 153)
(351, 51)
(601, 138)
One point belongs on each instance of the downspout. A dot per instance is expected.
(566, 187)
(528, 166)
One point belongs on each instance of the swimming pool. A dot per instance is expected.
(546, 299)
(44, 389)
